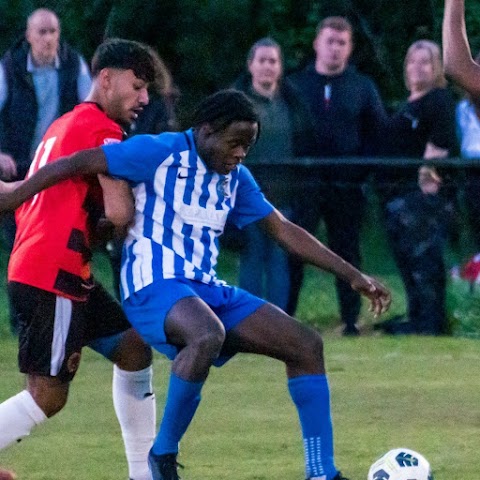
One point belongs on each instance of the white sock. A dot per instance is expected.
(134, 403)
(18, 416)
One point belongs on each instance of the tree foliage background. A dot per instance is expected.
(205, 42)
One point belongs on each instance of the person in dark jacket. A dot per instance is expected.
(418, 207)
(286, 130)
(41, 78)
(347, 112)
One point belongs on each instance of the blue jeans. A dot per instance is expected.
(264, 267)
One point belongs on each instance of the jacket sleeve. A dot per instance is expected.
(375, 120)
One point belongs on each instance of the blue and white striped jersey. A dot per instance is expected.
(180, 208)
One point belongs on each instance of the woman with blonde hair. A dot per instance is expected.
(416, 207)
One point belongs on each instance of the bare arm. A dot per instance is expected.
(85, 162)
(299, 242)
(457, 57)
(117, 200)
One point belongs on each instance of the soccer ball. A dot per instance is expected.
(400, 464)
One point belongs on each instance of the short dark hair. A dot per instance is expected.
(124, 55)
(340, 24)
(224, 108)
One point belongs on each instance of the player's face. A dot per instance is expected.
(43, 35)
(266, 67)
(419, 70)
(333, 49)
(223, 150)
(125, 94)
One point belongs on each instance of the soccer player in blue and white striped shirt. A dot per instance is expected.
(185, 186)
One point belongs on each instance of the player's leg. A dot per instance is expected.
(269, 331)
(132, 390)
(173, 319)
(192, 326)
(49, 353)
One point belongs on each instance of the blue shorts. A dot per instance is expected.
(147, 309)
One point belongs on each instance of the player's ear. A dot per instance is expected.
(105, 77)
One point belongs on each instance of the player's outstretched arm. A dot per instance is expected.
(299, 242)
(85, 162)
(457, 58)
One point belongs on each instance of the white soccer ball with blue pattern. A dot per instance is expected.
(401, 464)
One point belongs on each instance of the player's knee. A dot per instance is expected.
(312, 349)
(55, 405)
(316, 346)
(210, 343)
(50, 402)
(132, 352)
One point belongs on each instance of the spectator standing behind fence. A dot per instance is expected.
(41, 78)
(347, 111)
(468, 131)
(417, 211)
(286, 132)
(157, 117)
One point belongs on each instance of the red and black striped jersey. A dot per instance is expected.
(52, 244)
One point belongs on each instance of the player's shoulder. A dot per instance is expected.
(155, 147)
(86, 126)
(166, 138)
(89, 113)
(90, 117)
(243, 175)
(174, 140)
(166, 142)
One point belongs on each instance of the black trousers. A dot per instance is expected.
(417, 226)
(341, 208)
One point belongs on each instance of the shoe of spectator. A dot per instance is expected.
(350, 331)
(398, 325)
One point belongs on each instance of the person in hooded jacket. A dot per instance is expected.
(348, 114)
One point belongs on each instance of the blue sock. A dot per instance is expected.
(311, 396)
(182, 401)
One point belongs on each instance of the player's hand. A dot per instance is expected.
(379, 296)
(8, 167)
